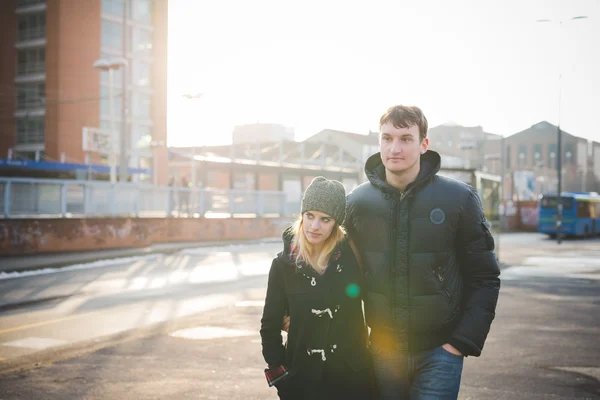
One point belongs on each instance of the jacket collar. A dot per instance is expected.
(375, 171)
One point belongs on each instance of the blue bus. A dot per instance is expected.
(581, 214)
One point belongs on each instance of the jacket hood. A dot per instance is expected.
(375, 171)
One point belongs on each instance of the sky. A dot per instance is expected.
(320, 64)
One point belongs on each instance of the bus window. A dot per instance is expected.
(583, 209)
(552, 201)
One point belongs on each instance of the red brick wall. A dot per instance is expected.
(268, 181)
(22, 237)
(73, 44)
(8, 71)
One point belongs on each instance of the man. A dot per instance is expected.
(432, 277)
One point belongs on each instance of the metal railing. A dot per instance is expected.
(25, 3)
(48, 198)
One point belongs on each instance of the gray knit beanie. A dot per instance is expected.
(325, 196)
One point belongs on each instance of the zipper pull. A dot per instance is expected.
(439, 275)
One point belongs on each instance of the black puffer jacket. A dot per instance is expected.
(325, 314)
(431, 273)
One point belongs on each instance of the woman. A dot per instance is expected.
(316, 280)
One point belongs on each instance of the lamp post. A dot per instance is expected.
(559, 205)
(111, 65)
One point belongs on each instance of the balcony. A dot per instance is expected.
(30, 6)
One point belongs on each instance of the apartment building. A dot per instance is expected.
(50, 90)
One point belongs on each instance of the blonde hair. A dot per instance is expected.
(305, 249)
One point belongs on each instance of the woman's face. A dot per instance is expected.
(317, 227)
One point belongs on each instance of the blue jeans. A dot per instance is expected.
(430, 375)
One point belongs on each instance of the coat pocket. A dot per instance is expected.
(489, 239)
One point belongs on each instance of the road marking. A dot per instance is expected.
(211, 332)
(52, 321)
(35, 343)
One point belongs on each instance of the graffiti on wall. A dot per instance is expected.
(20, 237)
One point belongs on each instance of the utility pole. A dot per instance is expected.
(559, 205)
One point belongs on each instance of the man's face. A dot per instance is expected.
(400, 148)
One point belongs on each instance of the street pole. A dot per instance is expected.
(113, 130)
(193, 152)
(123, 145)
(559, 205)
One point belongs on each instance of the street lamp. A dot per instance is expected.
(112, 65)
(559, 205)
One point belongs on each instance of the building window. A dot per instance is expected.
(31, 61)
(537, 156)
(568, 154)
(140, 138)
(112, 35)
(141, 105)
(31, 26)
(522, 155)
(140, 42)
(30, 130)
(113, 7)
(552, 155)
(105, 102)
(141, 73)
(244, 180)
(508, 156)
(30, 95)
(142, 11)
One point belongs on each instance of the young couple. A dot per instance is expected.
(415, 247)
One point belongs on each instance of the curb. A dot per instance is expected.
(41, 262)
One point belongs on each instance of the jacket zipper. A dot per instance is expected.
(445, 289)
(402, 197)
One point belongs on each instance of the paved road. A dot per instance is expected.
(544, 343)
(39, 312)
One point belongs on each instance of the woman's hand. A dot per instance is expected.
(286, 323)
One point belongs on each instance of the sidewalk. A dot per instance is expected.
(57, 260)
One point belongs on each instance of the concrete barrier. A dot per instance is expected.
(39, 236)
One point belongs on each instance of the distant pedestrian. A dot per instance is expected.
(317, 280)
(184, 195)
(172, 196)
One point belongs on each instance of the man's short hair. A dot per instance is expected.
(405, 116)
